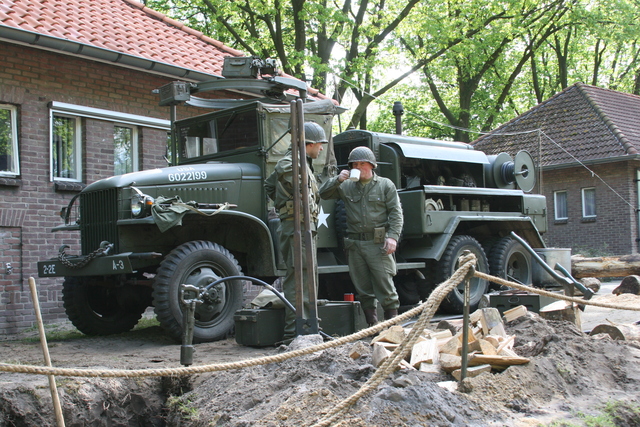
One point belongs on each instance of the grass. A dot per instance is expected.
(57, 332)
(614, 414)
(184, 407)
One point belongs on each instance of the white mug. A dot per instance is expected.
(354, 175)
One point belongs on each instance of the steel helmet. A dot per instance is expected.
(313, 133)
(362, 154)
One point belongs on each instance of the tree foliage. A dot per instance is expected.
(460, 66)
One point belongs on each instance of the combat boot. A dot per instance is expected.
(390, 314)
(370, 316)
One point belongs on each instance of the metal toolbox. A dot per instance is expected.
(506, 300)
(263, 327)
(259, 327)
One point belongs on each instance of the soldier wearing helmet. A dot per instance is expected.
(279, 187)
(374, 224)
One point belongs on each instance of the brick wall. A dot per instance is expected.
(615, 227)
(30, 79)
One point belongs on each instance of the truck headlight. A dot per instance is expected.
(141, 204)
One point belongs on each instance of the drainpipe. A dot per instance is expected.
(637, 180)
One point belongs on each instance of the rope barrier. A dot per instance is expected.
(538, 291)
(390, 364)
(190, 370)
(425, 311)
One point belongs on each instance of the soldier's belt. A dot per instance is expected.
(361, 236)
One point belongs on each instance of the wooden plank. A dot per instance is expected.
(394, 334)
(496, 361)
(426, 351)
(487, 348)
(379, 355)
(472, 371)
(514, 313)
(562, 310)
(449, 362)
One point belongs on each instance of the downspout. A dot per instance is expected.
(637, 180)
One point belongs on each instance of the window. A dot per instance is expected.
(9, 164)
(66, 160)
(125, 149)
(588, 202)
(67, 138)
(560, 204)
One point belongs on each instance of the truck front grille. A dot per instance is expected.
(98, 217)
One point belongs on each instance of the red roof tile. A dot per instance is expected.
(582, 122)
(125, 26)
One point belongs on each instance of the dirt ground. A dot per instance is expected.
(571, 379)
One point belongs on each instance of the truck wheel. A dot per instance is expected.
(448, 264)
(100, 310)
(198, 263)
(510, 260)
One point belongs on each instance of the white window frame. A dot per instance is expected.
(116, 117)
(555, 205)
(584, 205)
(78, 143)
(135, 166)
(15, 154)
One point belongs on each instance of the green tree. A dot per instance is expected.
(462, 64)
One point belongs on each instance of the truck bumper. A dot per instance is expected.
(101, 266)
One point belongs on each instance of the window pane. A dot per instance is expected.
(589, 202)
(64, 148)
(561, 204)
(123, 150)
(7, 142)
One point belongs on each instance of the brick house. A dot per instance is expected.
(586, 140)
(76, 105)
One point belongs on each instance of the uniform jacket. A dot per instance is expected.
(373, 205)
(279, 187)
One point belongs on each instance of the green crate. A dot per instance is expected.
(259, 327)
(262, 327)
(340, 318)
(507, 300)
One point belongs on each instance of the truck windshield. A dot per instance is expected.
(217, 134)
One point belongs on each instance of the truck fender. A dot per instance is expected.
(239, 232)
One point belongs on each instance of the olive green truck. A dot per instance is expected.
(207, 216)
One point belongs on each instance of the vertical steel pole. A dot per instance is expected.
(297, 236)
(465, 329)
(310, 256)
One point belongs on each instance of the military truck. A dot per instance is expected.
(206, 216)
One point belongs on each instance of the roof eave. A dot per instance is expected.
(81, 50)
(623, 158)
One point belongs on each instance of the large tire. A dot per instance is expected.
(509, 260)
(198, 263)
(448, 264)
(102, 310)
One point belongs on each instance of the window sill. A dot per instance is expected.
(68, 186)
(10, 182)
(561, 221)
(589, 219)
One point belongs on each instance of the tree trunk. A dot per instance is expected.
(618, 332)
(619, 266)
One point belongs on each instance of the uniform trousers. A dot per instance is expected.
(372, 270)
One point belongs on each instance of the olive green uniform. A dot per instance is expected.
(279, 187)
(374, 205)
